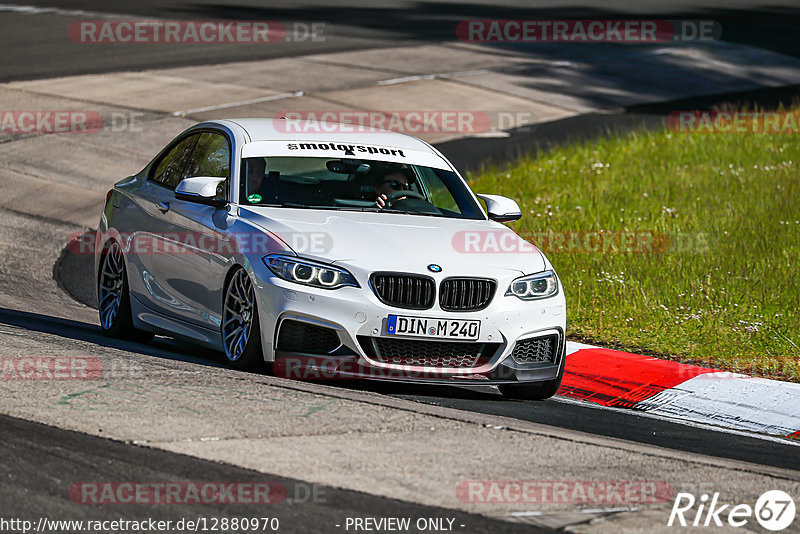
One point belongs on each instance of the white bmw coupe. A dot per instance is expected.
(346, 253)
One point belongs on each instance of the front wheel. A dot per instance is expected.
(241, 335)
(113, 298)
(535, 390)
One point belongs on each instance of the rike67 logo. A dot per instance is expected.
(774, 510)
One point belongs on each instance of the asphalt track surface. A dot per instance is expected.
(41, 463)
(614, 423)
(35, 45)
(470, 154)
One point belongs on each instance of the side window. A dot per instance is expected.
(440, 195)
(211, 157)
(168, 170)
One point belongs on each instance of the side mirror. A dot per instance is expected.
(501, 209)
(203, 190)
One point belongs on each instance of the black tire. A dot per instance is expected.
(535, 390)
(251, 356)
(121, 326)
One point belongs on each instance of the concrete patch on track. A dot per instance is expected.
(543, 83)
(64, 176)
(143, 90)
(92, 161)
(289, 74)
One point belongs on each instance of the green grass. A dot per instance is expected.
(726, 294)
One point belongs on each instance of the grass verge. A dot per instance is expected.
(707, 235)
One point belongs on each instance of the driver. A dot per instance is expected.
(256, 167)
(395, 179)
(260, 190)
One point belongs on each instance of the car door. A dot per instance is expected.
(154, 226)
(194, 274)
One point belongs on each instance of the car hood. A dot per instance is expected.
(399, 242)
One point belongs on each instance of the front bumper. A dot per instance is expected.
(358, 318)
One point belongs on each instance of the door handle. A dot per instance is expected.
(163, 207)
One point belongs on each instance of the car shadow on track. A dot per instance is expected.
(161, 347)
(170, 349)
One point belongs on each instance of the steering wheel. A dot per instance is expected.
(394, 195)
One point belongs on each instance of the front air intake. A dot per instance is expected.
(536, 350)
(297, 336)
(426, 353)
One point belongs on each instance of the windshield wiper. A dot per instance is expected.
(374, 209)
(283, 205)
(306, 206)
(403, 212)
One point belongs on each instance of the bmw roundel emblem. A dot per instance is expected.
(434, 268)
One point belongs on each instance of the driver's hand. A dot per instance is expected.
(381, 201)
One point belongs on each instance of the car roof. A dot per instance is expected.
(264, 129)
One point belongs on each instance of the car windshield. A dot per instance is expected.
(354, 184)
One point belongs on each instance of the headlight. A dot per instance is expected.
(309, 272)
(534, 286)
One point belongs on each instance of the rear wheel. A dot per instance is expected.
(241, 335)
(535, 390)
(113, 298)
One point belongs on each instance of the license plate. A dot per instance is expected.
(432, 327)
